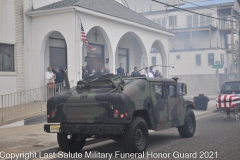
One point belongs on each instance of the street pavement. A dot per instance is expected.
(32, 138)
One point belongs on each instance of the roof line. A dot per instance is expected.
(36, 13)
(80, 9)
(88, 11)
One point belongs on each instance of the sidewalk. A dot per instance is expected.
(33, 138)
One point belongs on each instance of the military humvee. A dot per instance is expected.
(123, 109)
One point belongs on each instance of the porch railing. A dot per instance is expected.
(26, 103)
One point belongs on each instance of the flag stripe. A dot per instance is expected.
(84, 39)
(228, 101)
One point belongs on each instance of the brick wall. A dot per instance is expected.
(19, 45)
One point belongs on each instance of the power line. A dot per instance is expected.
(207, 8)
(198, 5)
(126, 3)
(190, 24)
(192, 11)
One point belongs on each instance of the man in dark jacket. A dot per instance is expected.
(135, 73)
(59, 76)
(120, 70)
(59, 79)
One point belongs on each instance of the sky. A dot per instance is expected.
(139, 5)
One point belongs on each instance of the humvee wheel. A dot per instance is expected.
(188, 129)
(135, 136)
(72, 143)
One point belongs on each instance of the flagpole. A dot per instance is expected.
(80, 43)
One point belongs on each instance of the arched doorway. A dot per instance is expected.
(130, 52)
(54, 51)
(102, 56)
(158, 57)
(57, 50)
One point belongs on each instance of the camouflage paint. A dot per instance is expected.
(85, 105)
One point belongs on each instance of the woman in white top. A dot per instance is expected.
(49, 75)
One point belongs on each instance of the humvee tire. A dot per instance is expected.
(135, 136)
(188, 129)
(74, 144)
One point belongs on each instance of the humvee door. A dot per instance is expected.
(173, 101)
(158, 94)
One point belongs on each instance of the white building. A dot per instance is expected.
(33, 39)
(202, 43)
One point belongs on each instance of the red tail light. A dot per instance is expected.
(115, 113)
(121, 115)
(53, 114)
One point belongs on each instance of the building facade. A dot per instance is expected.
(204, 49)
(33, 39)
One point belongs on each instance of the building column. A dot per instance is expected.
(232, 40)
(210, 37)
(191, 39)
(19, 46)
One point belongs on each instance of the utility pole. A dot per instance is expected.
(238, 57)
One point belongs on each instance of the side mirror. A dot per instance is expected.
(184, 89)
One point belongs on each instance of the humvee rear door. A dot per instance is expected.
(172, 101)
(159, 102)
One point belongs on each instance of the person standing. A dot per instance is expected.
(157, 74)
(49, 75)
(151, 70)
(135, 73)
(50, 83)
(84, 72)
(101, 72)
(160, 74)
(59, 75)
(59, 79)
(147, 73)
(88, 69)
(93, 73)
(120, 70)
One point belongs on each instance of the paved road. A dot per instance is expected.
(214, 139)
(212, 134)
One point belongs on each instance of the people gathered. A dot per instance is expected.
(86, 71)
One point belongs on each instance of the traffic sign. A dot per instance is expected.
(217, 66)
(217, 62)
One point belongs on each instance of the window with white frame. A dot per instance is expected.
(202, 21)
(189, 21)
(154, 61)
(172, 21)
(210, 58)
(209, 20)
(198, 59)
(195, 20)
(6, 57)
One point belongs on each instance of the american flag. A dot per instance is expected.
(228, 100)
(84, 39)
